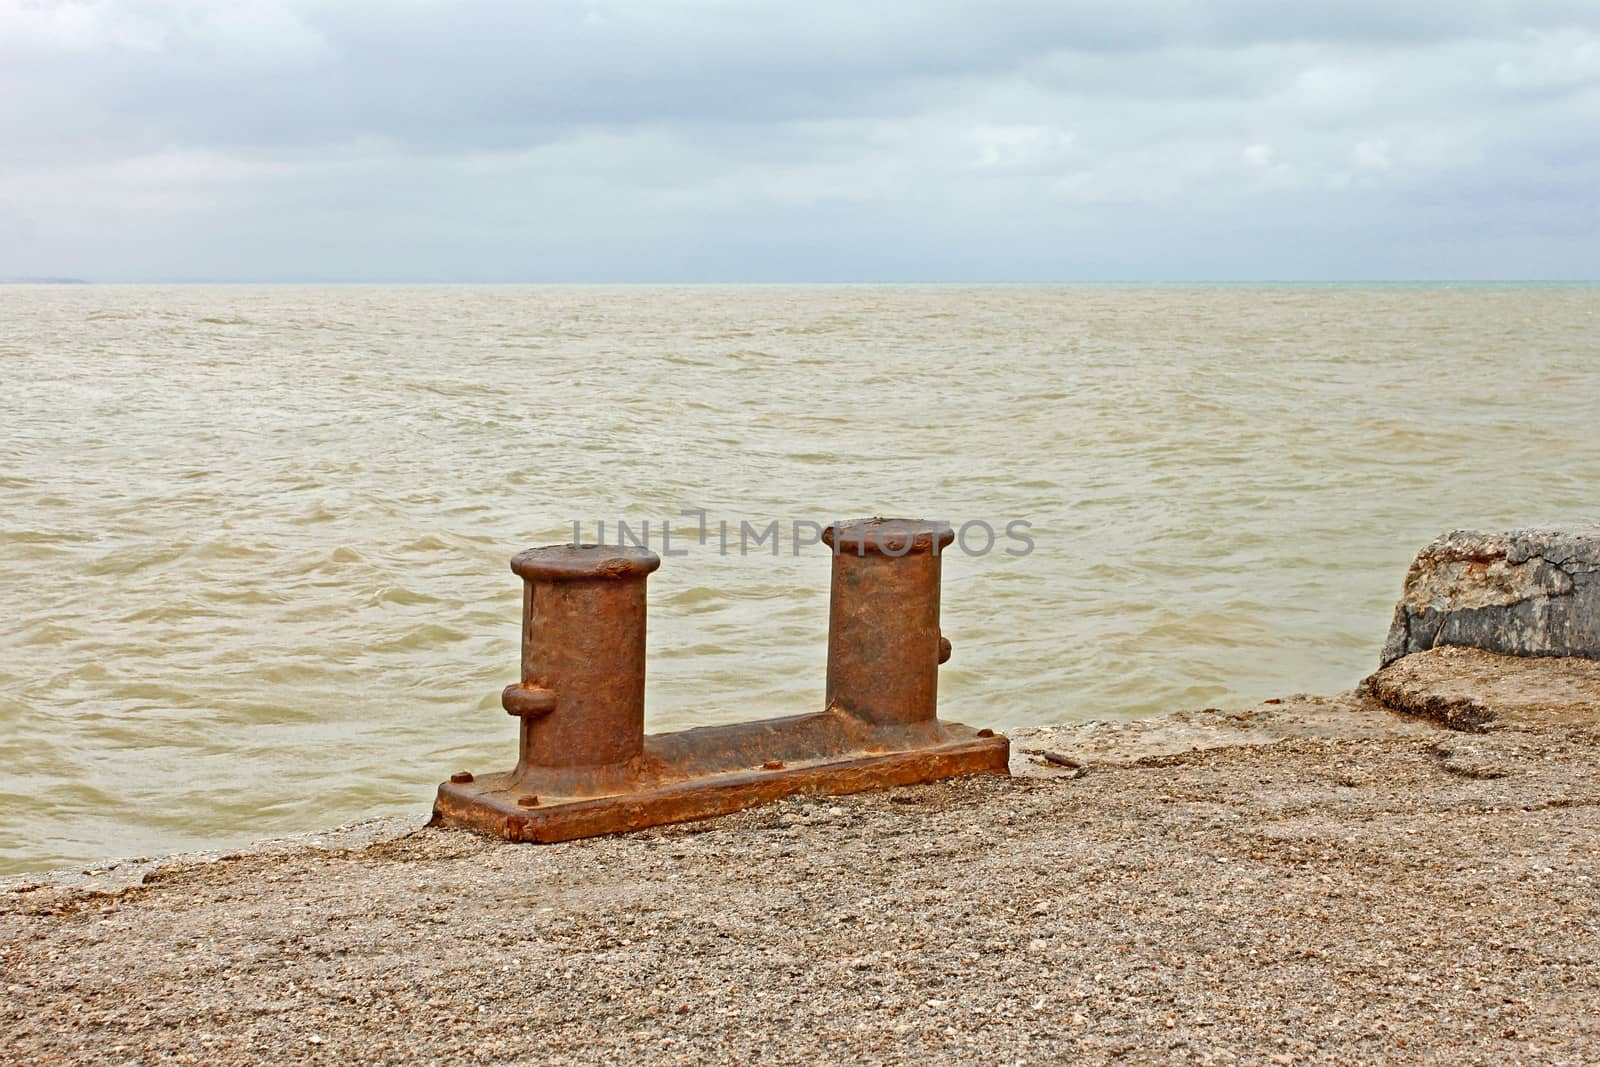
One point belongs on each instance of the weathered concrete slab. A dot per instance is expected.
(1072, 748)
(1469, 689)
(1522, 593)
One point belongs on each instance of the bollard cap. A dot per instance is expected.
(576, 563)
(889, 537)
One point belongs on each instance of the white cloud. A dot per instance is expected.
(1371, 155)
(1563, 59)
(1259, 156)
(1020, 147)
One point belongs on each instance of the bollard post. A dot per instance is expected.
(884, 644)
(581, 698)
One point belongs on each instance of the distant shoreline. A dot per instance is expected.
(1108, 283)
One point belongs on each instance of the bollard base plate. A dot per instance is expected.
(700, 773)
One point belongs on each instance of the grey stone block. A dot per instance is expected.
(1520, 593)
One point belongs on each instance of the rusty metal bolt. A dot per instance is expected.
(527, 800)
(461, 777)
(772, 765)
(581, 698)
(884, 645)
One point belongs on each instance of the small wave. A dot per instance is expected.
(697, 598)
(421, 639)
(426, 543)
(44, 537)
(52, 633)
(399, 594)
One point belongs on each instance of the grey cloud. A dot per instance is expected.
(937, 139)
(449, 74)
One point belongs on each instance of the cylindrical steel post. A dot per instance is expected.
(581, 699)
(884, 645)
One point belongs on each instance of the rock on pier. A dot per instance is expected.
(1523, 593)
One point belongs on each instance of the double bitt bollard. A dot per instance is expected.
(585, 766)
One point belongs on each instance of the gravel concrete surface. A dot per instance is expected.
(1309, 881)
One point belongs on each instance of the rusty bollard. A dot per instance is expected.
(585, 765)
(884, 644)
(581, 698)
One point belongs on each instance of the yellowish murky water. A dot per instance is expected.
(253, 540)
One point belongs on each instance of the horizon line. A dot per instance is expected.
(63, 281)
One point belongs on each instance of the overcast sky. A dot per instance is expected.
(738, 140)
